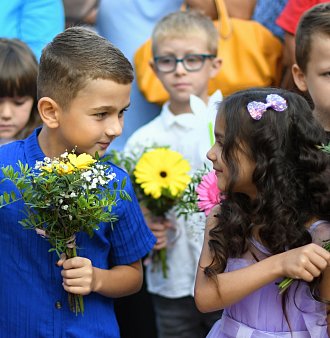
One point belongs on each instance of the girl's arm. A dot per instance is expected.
(80, 277)
(229, 287)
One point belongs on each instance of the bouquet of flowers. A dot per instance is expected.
(159, 176)
(202, 194)
(63, 196)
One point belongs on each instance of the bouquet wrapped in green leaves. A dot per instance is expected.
(62, 197)
(159, 177)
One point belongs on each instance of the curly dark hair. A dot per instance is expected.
(291, 176)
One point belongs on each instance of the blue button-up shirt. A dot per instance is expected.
(33, 302)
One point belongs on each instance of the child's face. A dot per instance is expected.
(93, 120)
(14, 115)
(245, 165)
(317, 77)
(181, 83)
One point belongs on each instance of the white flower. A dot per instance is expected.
(92, 186)
(60, 201)
(64, 167)
(38, 165)
(65, 207)
(111, 176)
(47, 160)
(73, 194)
(64, 155)
(70, 217)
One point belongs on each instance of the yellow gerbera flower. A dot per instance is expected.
(83, 161)
(162, 168)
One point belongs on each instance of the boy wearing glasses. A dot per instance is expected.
(184, 59)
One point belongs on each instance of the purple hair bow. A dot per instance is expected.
(274, 101)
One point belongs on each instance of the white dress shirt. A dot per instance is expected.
(189, 134)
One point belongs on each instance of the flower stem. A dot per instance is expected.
(76, 302)
(163, 260)
(159, 257)
(286, 282)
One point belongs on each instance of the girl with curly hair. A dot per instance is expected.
(273, 222)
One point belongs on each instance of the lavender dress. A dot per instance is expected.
(260, 314)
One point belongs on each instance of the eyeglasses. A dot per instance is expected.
(191, 62)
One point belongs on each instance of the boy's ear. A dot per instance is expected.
(49, 112)
(299, 78)
(216, 65)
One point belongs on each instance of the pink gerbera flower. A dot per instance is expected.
(208, 192)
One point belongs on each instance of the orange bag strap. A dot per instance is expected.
(225, 27)
(224, 22)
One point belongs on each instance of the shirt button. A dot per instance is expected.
(58, 305)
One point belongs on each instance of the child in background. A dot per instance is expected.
(272, 222)
(311, 72)
(84, 85)
(18, 90)
(288, 21)
(184, 58)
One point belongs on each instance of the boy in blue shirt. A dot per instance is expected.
(84, 88)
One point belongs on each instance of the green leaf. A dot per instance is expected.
(6, 197)
(123, 183)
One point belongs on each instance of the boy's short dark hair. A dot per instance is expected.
(314, 21)
(75, 57)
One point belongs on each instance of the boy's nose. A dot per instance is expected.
(114, 128)
(180, 68)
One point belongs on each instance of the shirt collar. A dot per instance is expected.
(198, 107)
(32, 149)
